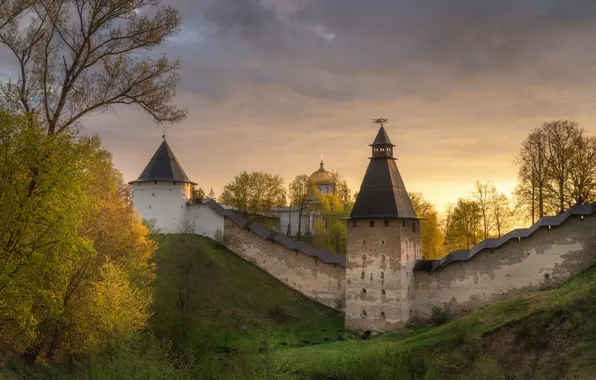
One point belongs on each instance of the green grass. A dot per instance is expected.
(545, 333)
(231, 299)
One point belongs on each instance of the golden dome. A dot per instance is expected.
(321, 176)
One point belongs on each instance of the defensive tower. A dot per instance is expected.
(383, 243)
(162, 190)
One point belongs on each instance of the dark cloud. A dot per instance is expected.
(275, 83)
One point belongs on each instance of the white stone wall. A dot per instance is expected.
(205, 221)
(286, 217)
(547, 258)
(164, 201)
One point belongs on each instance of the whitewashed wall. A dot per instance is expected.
(206, 222)
(163, 201)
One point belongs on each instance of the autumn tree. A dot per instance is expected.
(301, 190)
(500, 211)
(74, 257)
(78, 57)
(342, 190)
(329, 224)
(431, 236)
(254, 193)
(465, 226)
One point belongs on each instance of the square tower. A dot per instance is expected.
(383, 243)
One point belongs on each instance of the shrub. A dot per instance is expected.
(440, 316)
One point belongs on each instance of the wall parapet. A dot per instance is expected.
(492, 243)
(278, 237)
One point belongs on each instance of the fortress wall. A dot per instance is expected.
(324, 282)
(542, 260)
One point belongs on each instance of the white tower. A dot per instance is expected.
(162, 191)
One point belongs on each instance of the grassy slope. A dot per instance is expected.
(543, 335)
(234, 299)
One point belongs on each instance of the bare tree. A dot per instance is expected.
(533, 173)
(500, 211)
(561, 136)
(482, 197)
(77, 57)
(11, 10)
(582, 173)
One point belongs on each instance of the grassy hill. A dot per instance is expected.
(543, 335)
(229, 299)
(242, 323)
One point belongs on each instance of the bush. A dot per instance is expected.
(440, 316)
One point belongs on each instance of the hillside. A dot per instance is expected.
(229, 299)
(543, 335)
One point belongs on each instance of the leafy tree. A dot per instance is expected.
(465, 225)
(74, 258)
(342, 190)
(254, 193)
(80, 57)
(329, 226)
(301, 191)
(430, 232)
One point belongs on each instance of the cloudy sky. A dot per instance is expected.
(273, 84)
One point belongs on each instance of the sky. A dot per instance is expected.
(272, 84)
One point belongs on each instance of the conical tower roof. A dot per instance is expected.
(382, 194)
(382, 138)
(163, 166)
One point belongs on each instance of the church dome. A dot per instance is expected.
(321, 176)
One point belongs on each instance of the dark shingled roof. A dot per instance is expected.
(163, 166)
(278, 237)
(382, 194)
(382, 138)
(520, 233)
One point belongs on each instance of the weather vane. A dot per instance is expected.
(165, 130)
(380, 120)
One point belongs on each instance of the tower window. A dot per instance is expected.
(386, 223)
(363, 242)
(363, 314)
(153, 194)
(149, 207)
(363, 291)
(155, 182)
(413, 226)
(383, 314)
(363, 257)
(173, 182)
(354, 223)
(382, 291)
(372, 223)
(362, 275)
(382, 242)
